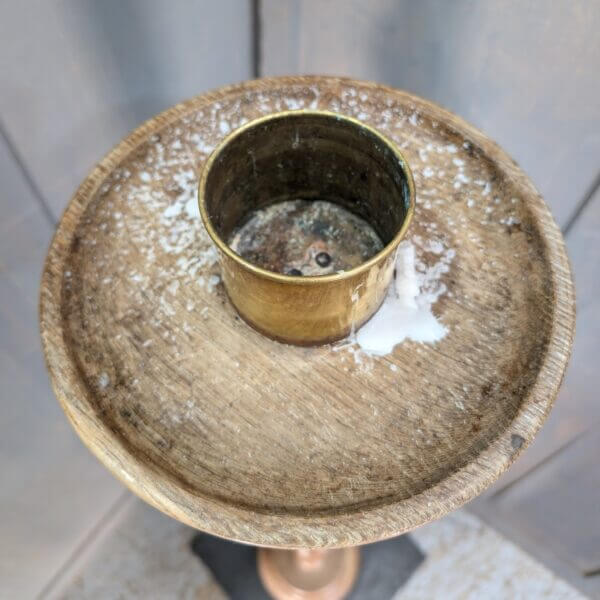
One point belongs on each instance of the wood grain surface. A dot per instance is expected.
(276, 445)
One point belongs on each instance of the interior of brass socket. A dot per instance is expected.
(309, 155)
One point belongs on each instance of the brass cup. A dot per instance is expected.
(309, 155)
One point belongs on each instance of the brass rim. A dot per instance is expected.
(309, 279)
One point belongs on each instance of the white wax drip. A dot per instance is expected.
(406, 311)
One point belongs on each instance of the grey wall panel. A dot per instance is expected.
(524, 71)
(77, 75)
(17, 199)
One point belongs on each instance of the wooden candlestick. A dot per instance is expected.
(287, 447)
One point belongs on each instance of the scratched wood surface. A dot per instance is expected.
(271, 444)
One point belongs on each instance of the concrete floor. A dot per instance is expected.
(143, 554)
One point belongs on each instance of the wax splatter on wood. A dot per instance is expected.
(272, 444)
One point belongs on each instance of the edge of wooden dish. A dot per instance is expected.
(284, 530)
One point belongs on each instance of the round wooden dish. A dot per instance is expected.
(293, 447)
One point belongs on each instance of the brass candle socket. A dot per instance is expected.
(309, 155)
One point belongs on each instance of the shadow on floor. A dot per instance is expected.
(385, 567)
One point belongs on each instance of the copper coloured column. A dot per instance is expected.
(308, 574)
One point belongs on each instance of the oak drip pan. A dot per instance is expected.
(283, 446)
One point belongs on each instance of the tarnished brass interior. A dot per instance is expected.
(308, 156)
(305, 237)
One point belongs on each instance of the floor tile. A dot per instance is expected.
(146, 555)
(467, 560)
(149, 555)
